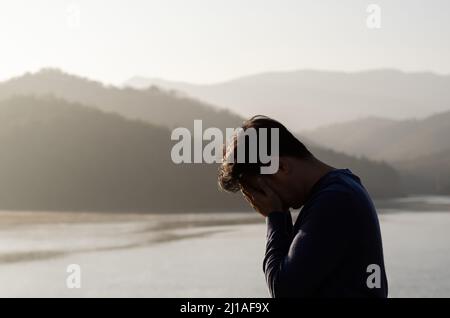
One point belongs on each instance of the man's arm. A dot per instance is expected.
(296, 267)
(279, 239)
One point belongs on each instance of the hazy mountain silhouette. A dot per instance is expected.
(58, 155)
(419, 149)
(428, 174)
(68, 155)
(64, 156)
(385, 139)
(308, 99)
(152, 105)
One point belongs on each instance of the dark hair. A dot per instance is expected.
(230, 173)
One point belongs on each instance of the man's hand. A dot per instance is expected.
(263, 198)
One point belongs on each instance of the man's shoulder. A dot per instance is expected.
(341, 183)
(341, 190)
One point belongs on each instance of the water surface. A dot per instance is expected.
(197, 255)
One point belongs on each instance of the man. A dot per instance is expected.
(334, 249)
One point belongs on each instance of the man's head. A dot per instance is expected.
(293, 156)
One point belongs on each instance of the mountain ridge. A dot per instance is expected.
(307, 99)
(385, 139)
(133, 148)
(151, 105)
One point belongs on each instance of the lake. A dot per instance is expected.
(198, 255)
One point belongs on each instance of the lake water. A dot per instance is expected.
(197, 255)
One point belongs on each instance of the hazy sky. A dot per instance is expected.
(214, 40)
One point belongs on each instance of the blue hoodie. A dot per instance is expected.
(334, 249)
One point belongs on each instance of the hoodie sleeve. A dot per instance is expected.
(296, 264)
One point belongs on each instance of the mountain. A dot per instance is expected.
(418, 149)
(427, 174)
(308, 99)
(58, 155)
(152, 105)
(384, 139)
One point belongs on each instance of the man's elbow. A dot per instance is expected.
(277, 287)
(281, 287)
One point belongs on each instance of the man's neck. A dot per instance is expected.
(318, 169)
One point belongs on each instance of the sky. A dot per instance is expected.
(207, 41)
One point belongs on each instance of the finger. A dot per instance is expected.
(257, 196)
(250, 202)
(248, 198)
(265, 187)
(252, 191)
(246, 192)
